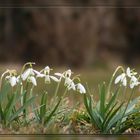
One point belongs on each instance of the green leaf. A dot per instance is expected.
(102, 92)
(9, 106)
(43, 105)
(3, 93)
(92, 112)
(1, 113)
(52, 112)
(111, 114)
(112, 100)
(26, 104)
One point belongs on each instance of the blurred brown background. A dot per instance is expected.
(77, 33)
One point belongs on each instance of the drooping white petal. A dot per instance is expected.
(13, 81)
(26, 74)
(134, 79)
(19, 80)
(47, 79)
(124, 82)
(33, 80)
(55, 79)
(68, 81)
(38, 74)
(72, 86)
(128, 72)
(59, 75)
(47, 69)
(132, 85)
(118, 79)
(81, 88)
(134, 82)
(68, 73)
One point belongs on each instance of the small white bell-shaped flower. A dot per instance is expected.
(81, 88)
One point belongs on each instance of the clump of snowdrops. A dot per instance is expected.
(17, 98)
(112, 112)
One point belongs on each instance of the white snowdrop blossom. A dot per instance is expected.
(121, 78)
(19, 80)
(30, 75)
(12, 80)
(27, 73)
(47, 76)
(38, 74)
(134, 82)
(129, 75)
(46, 70)
(11, 77)
(68, 73)
(69, 83)
(81, 88)
(32, 80)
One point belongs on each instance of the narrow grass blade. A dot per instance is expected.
(102, 92)
(28, 102)
(52, 112)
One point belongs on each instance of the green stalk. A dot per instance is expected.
(1, 79)
(57, 88)
(24, 101)
(64, 93)
(111, 80)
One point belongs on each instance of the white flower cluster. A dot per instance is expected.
(69, 83)
(128, 75)
(31, 75)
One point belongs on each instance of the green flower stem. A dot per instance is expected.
(124, 93)
(21, 92)
(111, 80)
(31, 91)
(64, 93)
(24, 100)
(56, 91)
(20, 79)
(29, 63)
(1, 79)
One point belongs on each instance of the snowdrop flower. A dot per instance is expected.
(46, 70)
(68, 73)
(69, 84)
(32, 80)
(12, 80)
(81, 88)
(27, 73)
(134, 82)
(11, 77)
(38, 74)
(47, 75)
(19, 80)
(130, 73)
(121, 78)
